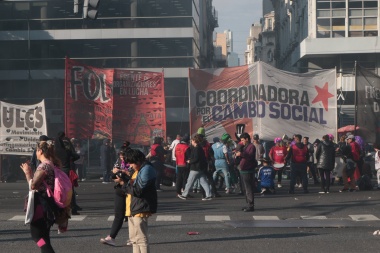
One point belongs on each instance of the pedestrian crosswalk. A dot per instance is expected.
(219, 218)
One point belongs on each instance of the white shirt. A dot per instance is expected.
(172, 148)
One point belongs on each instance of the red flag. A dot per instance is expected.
(88, 101)
(139, 106)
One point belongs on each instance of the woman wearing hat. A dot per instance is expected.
(277, 155)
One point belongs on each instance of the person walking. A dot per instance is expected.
(298, 156)
(44, 207)
(222, 162)
(157, 158)
(141, 200)
(122, 172)
(247, 166)
(198, 166)
(182, 154)
(65, 152)
(325, 156)
(106, 160)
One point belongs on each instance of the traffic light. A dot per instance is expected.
(90, 9)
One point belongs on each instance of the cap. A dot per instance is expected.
(201, 131)
(351, 136)
(216, 139)
(225, 137)
(277, 139)
(256, 137)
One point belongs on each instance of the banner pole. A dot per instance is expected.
(355, 100)
(64, 96)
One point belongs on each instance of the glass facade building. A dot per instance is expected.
(150, 35)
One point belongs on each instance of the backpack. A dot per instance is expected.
(364, 183)
(63, 188)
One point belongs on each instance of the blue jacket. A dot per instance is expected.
(266, 176)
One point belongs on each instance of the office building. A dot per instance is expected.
(149, 35)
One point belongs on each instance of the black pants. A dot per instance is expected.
(279, 173)
(248, 180)
(313, 171)
(119, 212)
(159, 167)
(325, 179)
(181, 179)
(40, 232)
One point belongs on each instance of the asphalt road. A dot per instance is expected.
(335, 222)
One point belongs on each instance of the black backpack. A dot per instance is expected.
(364, 183)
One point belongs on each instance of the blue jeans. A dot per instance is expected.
(298, 169)
(194, 175)
(226, 174)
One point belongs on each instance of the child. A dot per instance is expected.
(266, 176)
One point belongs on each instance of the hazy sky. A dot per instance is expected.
(238, 16)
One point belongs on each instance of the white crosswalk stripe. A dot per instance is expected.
(313, 217)
(78, 217)
(364, 217)
(168, 218)
(217, 217)
(266, 218)
(18, 218)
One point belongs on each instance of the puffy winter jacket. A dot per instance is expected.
(325, 155)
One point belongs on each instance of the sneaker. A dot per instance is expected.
(300, 186)
(228, 191)
(207, 198)
(159, 190)
(263, 191)
(181, 197)
(83, 179)
(343, 190)
(104, 182)
(297, 185)
(129, 243)
(173, 184)
(108, 240)
(321, 192)
(279, 186)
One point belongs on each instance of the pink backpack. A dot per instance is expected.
(63, 188)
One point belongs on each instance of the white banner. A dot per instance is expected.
(265, 100)
(20, 127)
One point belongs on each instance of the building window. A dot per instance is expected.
(362, 18)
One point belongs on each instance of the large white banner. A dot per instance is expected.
(263, 100)
(20, 127)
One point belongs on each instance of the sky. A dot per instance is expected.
(238, 16)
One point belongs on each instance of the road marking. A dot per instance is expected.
(314, 217)
(18, 218)
(168, 218)
(266, 218)
(217, 217)
(78, 217)
(111, 218)
(363, 217)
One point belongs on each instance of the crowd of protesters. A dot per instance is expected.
(191, 163)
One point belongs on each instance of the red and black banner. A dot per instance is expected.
(114, 103)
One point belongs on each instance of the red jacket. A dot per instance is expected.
(180, 154)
